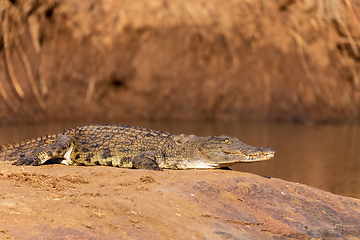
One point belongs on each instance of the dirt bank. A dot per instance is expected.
(183, 60)
(64, 202)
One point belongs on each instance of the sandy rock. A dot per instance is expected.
(57, 202)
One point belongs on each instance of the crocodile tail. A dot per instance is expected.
(9, 149)
(11, 152)
(2, 148)
(8, 146)
(5, 150)
(12, 146)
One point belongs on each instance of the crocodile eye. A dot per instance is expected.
(227, 141)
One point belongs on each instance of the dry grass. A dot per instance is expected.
(87, 49)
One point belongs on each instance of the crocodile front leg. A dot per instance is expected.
(146, 160)
(61, 148)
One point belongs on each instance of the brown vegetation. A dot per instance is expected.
(215, 60)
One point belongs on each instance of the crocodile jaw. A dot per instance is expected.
(225, 151)
(257, 154)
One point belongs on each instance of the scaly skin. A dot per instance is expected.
(133, 147)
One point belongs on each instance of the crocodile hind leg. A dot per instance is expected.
(61, 148)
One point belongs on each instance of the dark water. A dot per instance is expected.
(326, 157)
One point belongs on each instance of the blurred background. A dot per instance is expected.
(283, 73)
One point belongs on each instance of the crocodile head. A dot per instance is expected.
(223, 151)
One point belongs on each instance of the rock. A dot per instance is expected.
(50, 202)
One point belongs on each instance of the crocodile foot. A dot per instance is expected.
(28, 160)
(146, 160)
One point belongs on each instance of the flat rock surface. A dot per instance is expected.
(66, 202)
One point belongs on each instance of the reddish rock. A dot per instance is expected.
(57, 202)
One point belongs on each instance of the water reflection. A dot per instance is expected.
(321, 156)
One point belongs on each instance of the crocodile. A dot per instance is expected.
(133, 147)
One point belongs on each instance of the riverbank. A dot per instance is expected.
(179, 60)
